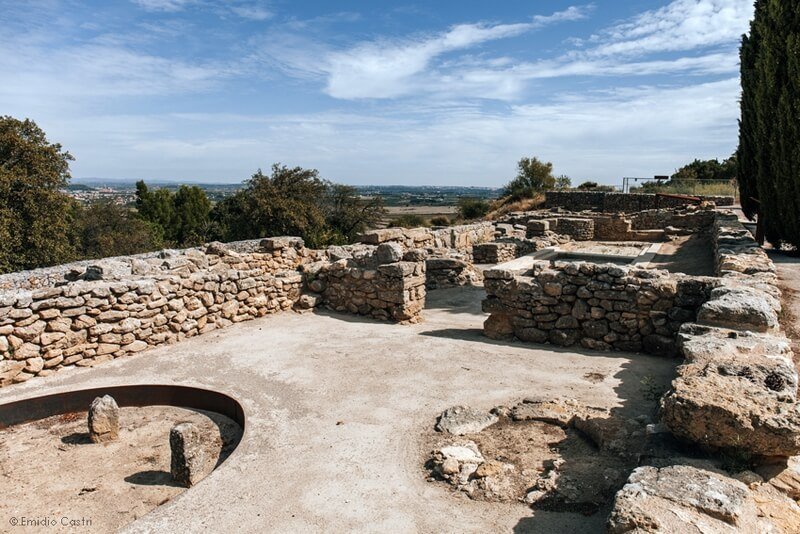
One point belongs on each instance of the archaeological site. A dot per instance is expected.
(611, 362)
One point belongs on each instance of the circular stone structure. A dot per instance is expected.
(56, 471)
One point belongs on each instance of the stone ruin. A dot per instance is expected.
(736, 386)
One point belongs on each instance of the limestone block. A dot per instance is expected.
(187, 454)
(103, 419)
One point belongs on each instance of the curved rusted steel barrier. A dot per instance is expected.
(32, 409)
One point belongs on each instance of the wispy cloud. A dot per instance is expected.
(681, 25)
(386, 69)
(162, 5)
(599, 135)
(252, 12)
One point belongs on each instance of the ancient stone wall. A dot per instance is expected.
(386, 283)
(649, 225)
(138, 303)
(460, 238)
(86, 313)
(611, 202)
(603, 307)
(737, 388)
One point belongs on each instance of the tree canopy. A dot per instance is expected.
(768, 157)
(710, 169)
(533, 176)
(295, 201)
(36, 218)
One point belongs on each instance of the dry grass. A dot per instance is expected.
(503, 206)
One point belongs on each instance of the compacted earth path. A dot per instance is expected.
(788, 268)
(339, 413)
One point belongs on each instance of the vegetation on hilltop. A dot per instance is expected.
(768, 157)
(40, 225)
(36, 219)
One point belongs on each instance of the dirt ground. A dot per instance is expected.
(692, 254)
(788, 268)
(337, 411)
(51, 469)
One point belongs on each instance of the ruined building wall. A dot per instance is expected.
(615, 202)
(133, 307)
(603, 307)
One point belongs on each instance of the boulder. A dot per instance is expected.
(684, 499)
(732, 412)
(740, 309)
(389, 253)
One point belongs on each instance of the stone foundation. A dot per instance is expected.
(601, 307)
(610, 202)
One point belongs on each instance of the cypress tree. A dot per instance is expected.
(769, 129)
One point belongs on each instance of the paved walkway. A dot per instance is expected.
(337, 408)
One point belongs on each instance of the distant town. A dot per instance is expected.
(124, 192)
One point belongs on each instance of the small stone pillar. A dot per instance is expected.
(187, 454)
(103, 419)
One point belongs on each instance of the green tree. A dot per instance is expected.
(563, 182)
(157, 207)
(472, 208)
(36, 218)
(295, 201)
(533, 176)
(287, 202)
(108, 229)
(710, 169)
(347, 214)
(191, 216)
(769, 132)
(183, 216)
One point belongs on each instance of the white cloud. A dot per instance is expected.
(252, 12)
(601, 135)
(680, 25)
(386, 69)
(438, 66)
(162, 5)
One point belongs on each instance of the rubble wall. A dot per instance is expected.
(86, 313)
(601, 307)
(616, 202)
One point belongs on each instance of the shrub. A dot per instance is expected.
(472, 208)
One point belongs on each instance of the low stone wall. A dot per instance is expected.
(577, 229)
(460, 238)
(90, 312)
(650, 225)
(737, 389)
(380, 285)
(86, 322)
(447, 272)
(620, 202)
(602, 307)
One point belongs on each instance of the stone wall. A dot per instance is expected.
(460, 238)
(603, 307)
(382, 282)
(87, 313)
(616, 202)
(737, 388)
(138, 303)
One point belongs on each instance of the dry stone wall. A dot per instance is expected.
(737, 388)
(141, 303)
(649, 225)
(599, 306)
(611, 202)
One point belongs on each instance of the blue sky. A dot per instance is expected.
(439, 93)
